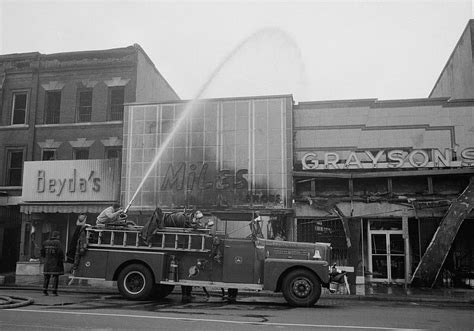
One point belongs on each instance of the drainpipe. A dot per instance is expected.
(34, 109)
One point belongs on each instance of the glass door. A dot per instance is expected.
(379, 256)
(396, 257)
(386, 253)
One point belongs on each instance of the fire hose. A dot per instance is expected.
(14, 302)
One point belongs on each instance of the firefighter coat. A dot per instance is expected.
(53, 256)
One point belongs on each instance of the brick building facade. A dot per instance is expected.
(65, 106)
(376, 178)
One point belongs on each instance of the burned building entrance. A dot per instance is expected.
(387, 251)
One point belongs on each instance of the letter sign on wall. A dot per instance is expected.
(383, 159)
(71, 180)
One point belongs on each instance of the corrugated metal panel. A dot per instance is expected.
(52, 208)
(71, 180)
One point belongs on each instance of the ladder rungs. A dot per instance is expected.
(182, 241)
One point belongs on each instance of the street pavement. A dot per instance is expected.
(79, 308)
(394, 293)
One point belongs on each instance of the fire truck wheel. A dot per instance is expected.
(301, 288)
(135, 282)
(162, 291)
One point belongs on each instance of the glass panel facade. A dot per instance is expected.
(219, 154)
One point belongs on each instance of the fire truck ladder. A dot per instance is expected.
(170, 239)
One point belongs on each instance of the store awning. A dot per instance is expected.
(64, 208)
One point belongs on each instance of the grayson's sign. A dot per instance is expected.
(71, 180)
(417, 158)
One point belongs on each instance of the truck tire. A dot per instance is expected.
(162, 291)
(301, 288)
(135, 282)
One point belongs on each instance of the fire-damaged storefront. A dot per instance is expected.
(229, 158)
(54, 194)
(388, 184)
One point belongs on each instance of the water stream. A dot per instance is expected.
(258, 36)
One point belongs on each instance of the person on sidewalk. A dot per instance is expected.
(53, 257)
(110, 216)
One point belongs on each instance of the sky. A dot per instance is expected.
(314, 50)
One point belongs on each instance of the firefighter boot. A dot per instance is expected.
(46, 284)
(55, 284)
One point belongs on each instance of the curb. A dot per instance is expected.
(325, 296)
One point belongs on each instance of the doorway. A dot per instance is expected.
(10, 249)
(386, 251)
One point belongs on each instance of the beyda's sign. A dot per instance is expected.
(71, 183)
(71, 180)
(417, 158)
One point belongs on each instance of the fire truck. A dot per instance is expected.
(204, 257)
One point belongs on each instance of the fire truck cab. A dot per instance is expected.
(204, 257)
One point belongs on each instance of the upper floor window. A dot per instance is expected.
(20, 101)
(84, 105)
(48, 154)
(116, 100)
(52, 107)
(81, 154)
(113, 153)
(14, 167)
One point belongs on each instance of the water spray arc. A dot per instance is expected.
(191, 103)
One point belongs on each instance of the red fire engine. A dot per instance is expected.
(204, 257)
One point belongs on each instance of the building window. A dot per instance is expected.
(14, 167)
(116, 100)
(113, 153)
(84, 105)
(48, 154)
(81, 154)
(19, 107)
(53, 106)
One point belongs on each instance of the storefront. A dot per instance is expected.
(227, 157)
(54, 194)
(377, 179)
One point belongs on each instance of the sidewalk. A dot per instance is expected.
(380, 292)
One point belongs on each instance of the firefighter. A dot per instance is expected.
(80, 226)
(110, 216)
(81, 245)
(195, 220)
(53, 255)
